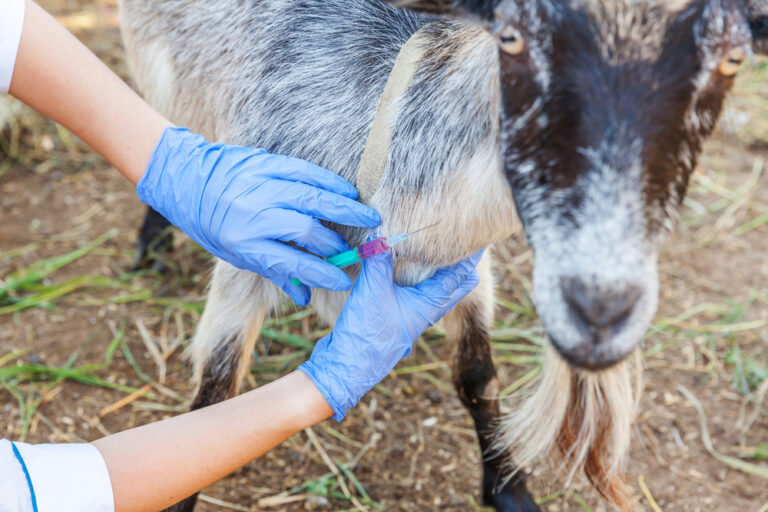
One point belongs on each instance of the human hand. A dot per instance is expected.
(379, 324)
(242, 204)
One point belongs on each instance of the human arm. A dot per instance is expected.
(151, 467)
(240, 204)
(157, 465)
(57, 76)
(154, 466)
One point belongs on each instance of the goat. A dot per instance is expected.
(585, 117)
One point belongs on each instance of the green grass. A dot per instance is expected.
(25, 278)
(748, 372)
(39, 380)
(28, 288)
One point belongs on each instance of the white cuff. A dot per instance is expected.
(68, 477)
(11, 23)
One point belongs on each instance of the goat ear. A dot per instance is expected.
(758, 24)
(483, 9)
(427, 6)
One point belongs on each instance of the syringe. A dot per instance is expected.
(367, 250)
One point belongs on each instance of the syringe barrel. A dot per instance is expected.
(373, 248)
(362, 252)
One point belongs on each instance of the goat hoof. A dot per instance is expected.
(511, 497)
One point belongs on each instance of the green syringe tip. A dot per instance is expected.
(341, 260)
(376, 246)
(345, 259)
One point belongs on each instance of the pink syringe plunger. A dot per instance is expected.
(373, 248)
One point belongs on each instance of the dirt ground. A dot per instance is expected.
(80, 336)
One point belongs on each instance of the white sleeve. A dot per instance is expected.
(59, 478)
(14, 490)
(11, 22)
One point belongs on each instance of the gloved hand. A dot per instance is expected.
(240, 204)
(379, 324)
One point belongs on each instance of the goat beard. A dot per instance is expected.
(577, 421)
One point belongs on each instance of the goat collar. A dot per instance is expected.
(376, 152)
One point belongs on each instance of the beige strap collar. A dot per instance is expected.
(376, 152)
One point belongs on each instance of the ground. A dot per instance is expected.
(80, 334)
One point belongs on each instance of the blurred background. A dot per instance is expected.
(89, 346)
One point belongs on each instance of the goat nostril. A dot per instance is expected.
(599, 309)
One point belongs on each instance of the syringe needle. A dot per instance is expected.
(425, 227)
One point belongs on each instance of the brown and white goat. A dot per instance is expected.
(590, 114)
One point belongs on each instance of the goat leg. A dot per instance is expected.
(474, 377)
(154, 243)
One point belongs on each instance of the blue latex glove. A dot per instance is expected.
(241, 204)
(379, 324)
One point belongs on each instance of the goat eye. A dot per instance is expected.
(732, 62)
(511, 41)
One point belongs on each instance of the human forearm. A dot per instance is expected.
(157, 465)
(56, 75)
